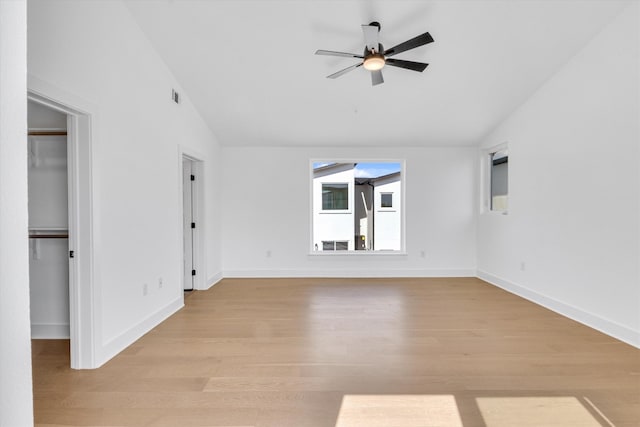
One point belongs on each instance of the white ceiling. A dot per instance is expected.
(250, 69)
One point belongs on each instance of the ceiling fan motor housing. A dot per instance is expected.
(368, 52)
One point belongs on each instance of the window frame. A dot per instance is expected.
(487, 168)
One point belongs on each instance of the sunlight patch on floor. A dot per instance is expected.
(535, 411)
(399, 410)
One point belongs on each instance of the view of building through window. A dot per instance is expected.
(499, 181)
(357, 206)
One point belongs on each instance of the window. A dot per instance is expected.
(357, 206)
(335, 196)
(335, 246)
(386, 200)
(499, 181)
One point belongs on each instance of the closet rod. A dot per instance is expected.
(48, 236)
(48, 133)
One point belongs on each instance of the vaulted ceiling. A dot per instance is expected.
(250, 69)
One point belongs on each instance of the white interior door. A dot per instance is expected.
(188, 223)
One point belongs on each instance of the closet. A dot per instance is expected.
(48, 222)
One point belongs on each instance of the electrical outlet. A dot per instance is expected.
(160, 283)
(145, 290)
(269, 253)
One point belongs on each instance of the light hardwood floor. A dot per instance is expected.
(350, 352)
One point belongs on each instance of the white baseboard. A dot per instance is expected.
(213, 280)
(45, 331)
(115, 345)
(341, 273)
(594, 321)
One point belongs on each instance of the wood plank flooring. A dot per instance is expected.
(350, 352)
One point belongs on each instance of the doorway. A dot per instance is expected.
(48, 222)
(192, 225)
(188, 224)
(65, 216)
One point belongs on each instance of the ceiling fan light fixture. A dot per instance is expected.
(374, 62)
(375, 57)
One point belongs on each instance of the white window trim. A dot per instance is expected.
(357, 253)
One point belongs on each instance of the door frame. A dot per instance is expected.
(197, 159)
(188, 217)
(81, 187)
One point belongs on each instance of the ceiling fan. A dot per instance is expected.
(375, 56)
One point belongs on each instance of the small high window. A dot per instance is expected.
(499, 180)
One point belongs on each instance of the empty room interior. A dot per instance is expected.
(320, 213)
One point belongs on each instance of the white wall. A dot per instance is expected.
(387, 221)
(16, 408)
(48, 181)
(570, 240)
(94, 52)
(440, 204)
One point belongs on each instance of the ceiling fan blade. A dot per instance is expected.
(415, 42)
(343, 71)
(409, 65)
(332, 53)
(371, 36)
(376, 78)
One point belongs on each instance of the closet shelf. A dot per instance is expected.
(48, 233)
(48, 133)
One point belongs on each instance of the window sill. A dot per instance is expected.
(333, 212)
(496, 213)
(357, 253)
